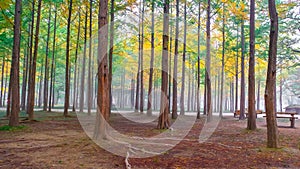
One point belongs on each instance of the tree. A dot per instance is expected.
(272, 131)
(163, 121)
(32, 74)
(149, 105)
(251, 125)
(81, 102)
(111, 47)
(207, 65)
(223, 62)
(75, 69)
(47, 63)
(242, 99)
(89, 97)
(103, 98)
(198, 62)
(51, 96)
(174, 104)
(15, 94)
(67, 85)
(142, 59)
(183, 65)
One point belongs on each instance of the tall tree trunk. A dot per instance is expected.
(111, 48)
(52, 63)
(198, 62)
(81, 103)
(149, 105)
(47, 63)
(170, 63)
(183, 65)
(40, 87)
(258, 96)
(75, 69)
(280, 96)
(272, 131)
(242, 101)
(25, 72)
(8, 106)
(2, 82)
(32, 74)
(237, 69)
(207, 65)
(163, 121)
(189, 87)
(103, 98)
(251, 79)
(142, 60)
(223, 63)
(174, 104)
(89, 98)
(67, 85)
(15, 105)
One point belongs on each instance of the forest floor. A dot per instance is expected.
(57, 142)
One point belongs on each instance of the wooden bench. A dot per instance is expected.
(290, 115)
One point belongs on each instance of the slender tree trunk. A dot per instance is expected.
(251, 80)
(174, 104)
(149, 105)
(132, 93)
(52, 64)
(47, 63)
(207, 65)
(53, 91)
(67, 85)
(81, 104)
(25, 72)
(14, 117)
(272, 131)
(183, 65)
(242, 101)
(189, 87)
(237, 69)
(75, 91)
(258, 96)
(111, 48)
(280, 96)
(2, 82)
(223, 63)
(40, 87)
(142, 60)
(170, 63)
(89, 98)
(32, 74)
(8, 106)
(198, 62)
(163, 121)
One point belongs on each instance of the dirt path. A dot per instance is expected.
(61, 143)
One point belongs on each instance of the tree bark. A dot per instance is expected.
(237, 69)
(14, 117)
(198, 62)
(25, 71)
(67, 85)
(142, 59)
(52, 63)
(183, 65)
(103, 98)
(174, 104)
(32, 74)
(111, 48)
(40, 87)
(251, 79)
(75, 91)
(89, 92)
(47, 63)
(2, 81)
(272, 131)
(242, 101)
(223, 63)
(149, 105)
(81, 103)
(163, 121)
(207, 65)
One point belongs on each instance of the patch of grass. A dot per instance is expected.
(265, 149)
(9, 128)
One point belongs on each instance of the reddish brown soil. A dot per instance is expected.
(57, 142)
